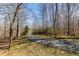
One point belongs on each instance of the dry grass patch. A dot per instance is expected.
(33, 49)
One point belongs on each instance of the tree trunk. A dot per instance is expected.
(17, 31)
(55, 19)
(11, 24)
(68, 19)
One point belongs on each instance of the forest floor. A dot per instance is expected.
(29, 48)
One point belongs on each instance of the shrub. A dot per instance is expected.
(25, 31)
(40, 31)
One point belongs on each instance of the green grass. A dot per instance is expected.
(30, 48)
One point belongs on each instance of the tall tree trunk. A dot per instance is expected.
(11, 24)
(10, 35)
(68, 19)
(55, 19)
(17, 30)
(4, 29)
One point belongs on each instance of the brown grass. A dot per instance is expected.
(33, 49)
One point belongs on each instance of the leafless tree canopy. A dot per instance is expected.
(56, 19)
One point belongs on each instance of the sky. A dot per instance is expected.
(31, 6)
(34, 7)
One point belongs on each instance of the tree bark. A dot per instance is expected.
(11, 24)
(55, 19)
(68, 19)
(17, 30)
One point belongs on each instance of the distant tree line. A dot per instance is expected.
(59, 19)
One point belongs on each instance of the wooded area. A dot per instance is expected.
(46, 20)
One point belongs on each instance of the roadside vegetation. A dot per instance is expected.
(45, 20)
(29, 48)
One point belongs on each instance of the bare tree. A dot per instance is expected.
(55, 19)
(11, 24)
(68, 18)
